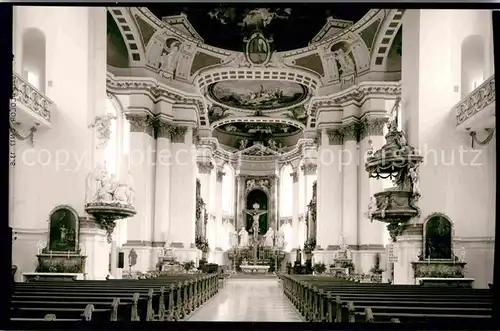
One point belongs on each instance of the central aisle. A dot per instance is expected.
(249, 300)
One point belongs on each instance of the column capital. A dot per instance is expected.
(350, 131)
(335, 136)
(220, 175)
(372, 126)
(205, 167)
(295, 176)
(309, 168)
(141, 123)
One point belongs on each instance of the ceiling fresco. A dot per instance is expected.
(256, 94)
(291, 26)
(276, 136)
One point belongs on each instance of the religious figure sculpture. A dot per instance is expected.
(462, 255)
(170, 56)
(243, 143)
(250, 183)
(255, 213)
(272, 144)
(346, 63)
(243, 237)
(269, 237)
(414, 180)
(372, 206)
(105, 188)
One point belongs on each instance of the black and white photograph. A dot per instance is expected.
(253, 162)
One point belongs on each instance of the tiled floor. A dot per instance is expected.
(250, 300)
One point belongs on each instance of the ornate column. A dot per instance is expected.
(205, 168)
(274, 218)
(241, 203)
(329, 219)
(350, 184)
(141, 166)
(183, 191)
(218, 207)
(309, 168)
(161, 223)
(371, 139)
(295, 211)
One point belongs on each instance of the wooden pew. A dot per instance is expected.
(173, 297)
(329, 300)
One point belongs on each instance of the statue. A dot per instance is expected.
(372, 206)
(462, 255)
(170, 56)
(269, 237)
(243, 143)
(250, 183)
(105, 191)
(272, 144)
(255, 213)
(243, 237)
(414, 180)
(94, 182)
(346, 63)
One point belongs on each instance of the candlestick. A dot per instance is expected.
(68, 254)
(51, 254)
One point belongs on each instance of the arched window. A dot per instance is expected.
(286, 193)
(33, 58)
(438, 231)
(112, 151)
(119, 141)
(228, 190)
(472, 63)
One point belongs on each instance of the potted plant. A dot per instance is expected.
(319, 268)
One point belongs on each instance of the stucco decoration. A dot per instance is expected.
(102, 126)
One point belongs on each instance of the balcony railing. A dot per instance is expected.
(31, 97)
(476, 101)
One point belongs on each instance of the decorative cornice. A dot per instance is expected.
(356, 94)
(124, 85)
(476, 101)
(205, 167)
(295, 176)
(309, 168)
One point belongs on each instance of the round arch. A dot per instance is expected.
(33, 60)
(63, 229)
(472, 64)
(438, 237)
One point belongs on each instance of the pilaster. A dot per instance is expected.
(350, 161)
(182, 187)
(295, 211)
(329, 219)
(371, 234)
(161, 223)
(141, 166)
(218, 208)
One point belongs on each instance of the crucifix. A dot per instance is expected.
(255, 213)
